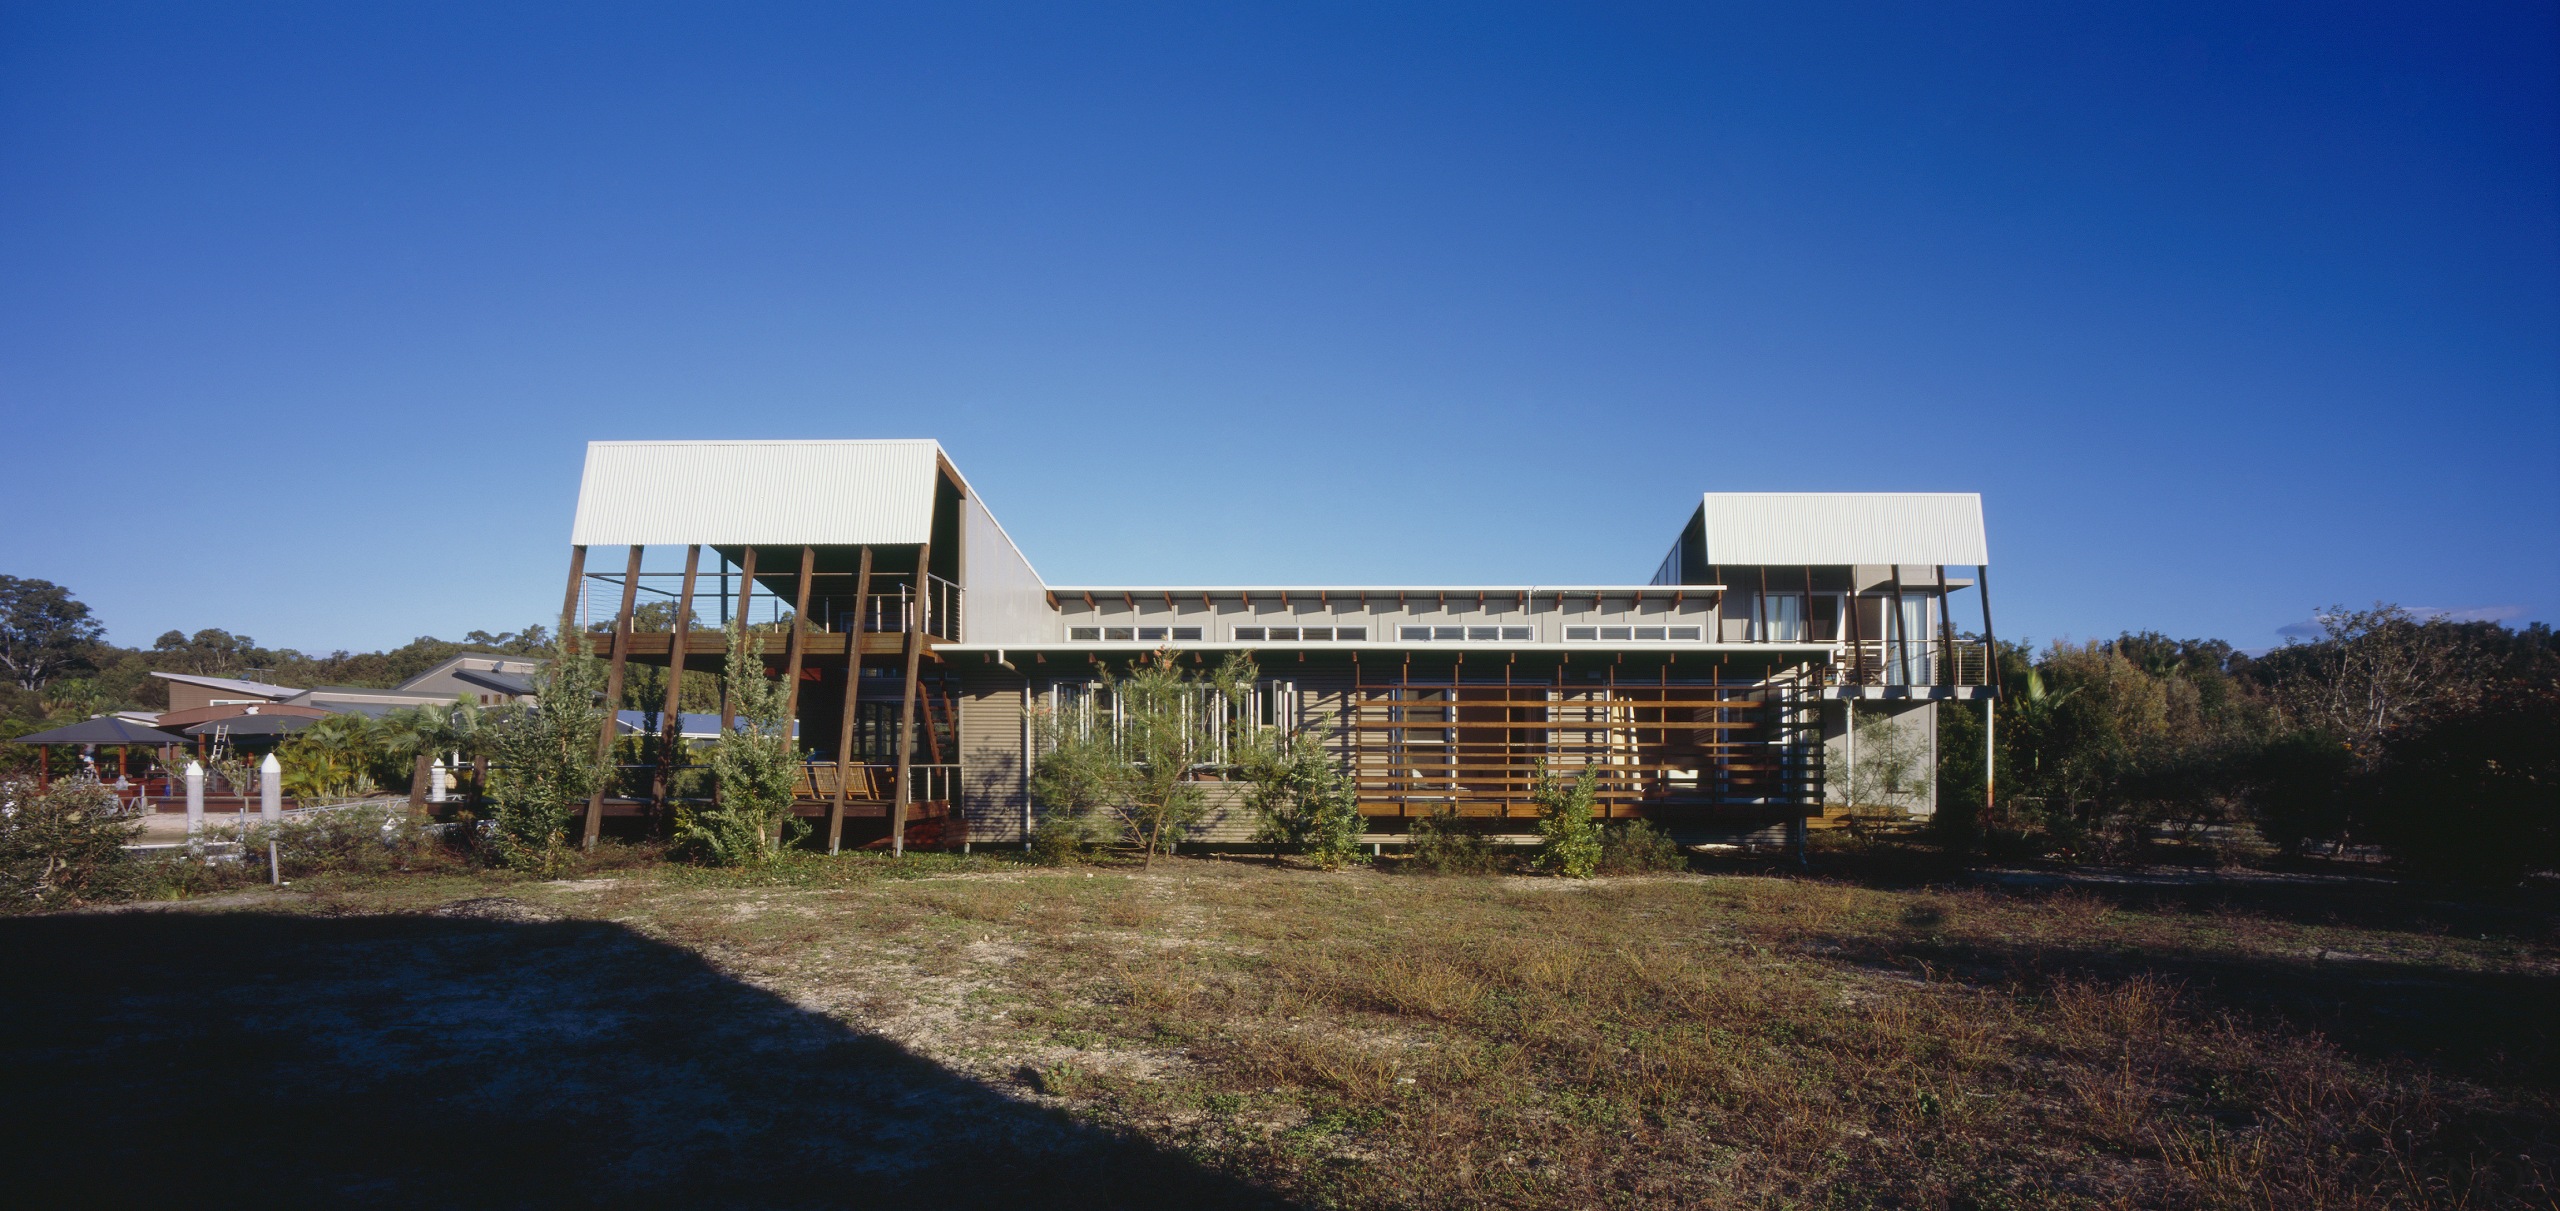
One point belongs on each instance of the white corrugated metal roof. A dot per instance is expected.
(255, 689)
(1845, 528)
(763, 492)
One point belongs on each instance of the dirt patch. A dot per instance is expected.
(494, 908)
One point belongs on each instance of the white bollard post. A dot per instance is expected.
(271, 811)
(271, 791)
(436, 776)
(195, 807)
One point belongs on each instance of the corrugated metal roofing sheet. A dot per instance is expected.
(255, 689)
(1831, 528)
(761, 492)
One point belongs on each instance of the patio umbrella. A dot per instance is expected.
(105, 729)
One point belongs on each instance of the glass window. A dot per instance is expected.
(1515, 632)
(1284, 634)
(1317, 634)
(1822, 623)
(1151, 634)
(1413, 633)
(1084, 634)
(1617, 633)
(1687, 633)
(1448, 632)
(1654, 633)
(1911, 649)
(1351, 632)
(1782, 618)
(1249, 634)
(1484, 633)
(1189, 633)
(1581, 634)
(1119, 634)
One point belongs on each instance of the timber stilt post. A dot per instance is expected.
(613, 691)
(746, 603)
(1990, 705)
(852, 700)
(577, 575)
(799, 641)
(907, 707)
(671, 717)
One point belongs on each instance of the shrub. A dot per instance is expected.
(1568, 836)
(1303, 800)
(1637, 847)
(359, 840)
(62, 846)
(2473, 795)
(1057, 841)
(1444, 846)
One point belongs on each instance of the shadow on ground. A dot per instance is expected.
(2497, 1027)
(194, 1059)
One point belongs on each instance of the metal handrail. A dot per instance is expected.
(1880, 662)
(939, 610)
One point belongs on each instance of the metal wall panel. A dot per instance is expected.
(991, 783)
(1006, 602)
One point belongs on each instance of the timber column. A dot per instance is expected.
(799, 642)
(907, 704)
(671, 716)
(852, 700)
(577, 574)
(746, 611)
(613, 689)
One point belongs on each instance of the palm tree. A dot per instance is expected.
(423, 732)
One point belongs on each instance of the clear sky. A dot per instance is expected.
(306, 312)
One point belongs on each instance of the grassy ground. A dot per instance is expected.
(972, 1032)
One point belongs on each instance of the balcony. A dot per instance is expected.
(1878, 668)
(940, 606)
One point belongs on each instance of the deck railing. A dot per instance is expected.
(1942, 663)
(940, 606)
(877, 782)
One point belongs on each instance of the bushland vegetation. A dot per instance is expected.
(2433, 744)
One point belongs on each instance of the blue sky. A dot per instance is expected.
(2229, 311)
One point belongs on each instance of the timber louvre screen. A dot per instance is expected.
(1475, 748)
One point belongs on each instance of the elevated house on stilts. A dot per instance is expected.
(920, 646)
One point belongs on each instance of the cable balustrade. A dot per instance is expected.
(1915, 663)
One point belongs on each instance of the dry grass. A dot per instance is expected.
(1365, 1039)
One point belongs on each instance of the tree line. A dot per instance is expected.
(59, 667)
(2433, 743)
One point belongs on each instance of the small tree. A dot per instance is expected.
(425, 733)
(546, 756)
(1568, 836)
(2374, 670)
(1138, 764)
(1301, 797)
(756, 765)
